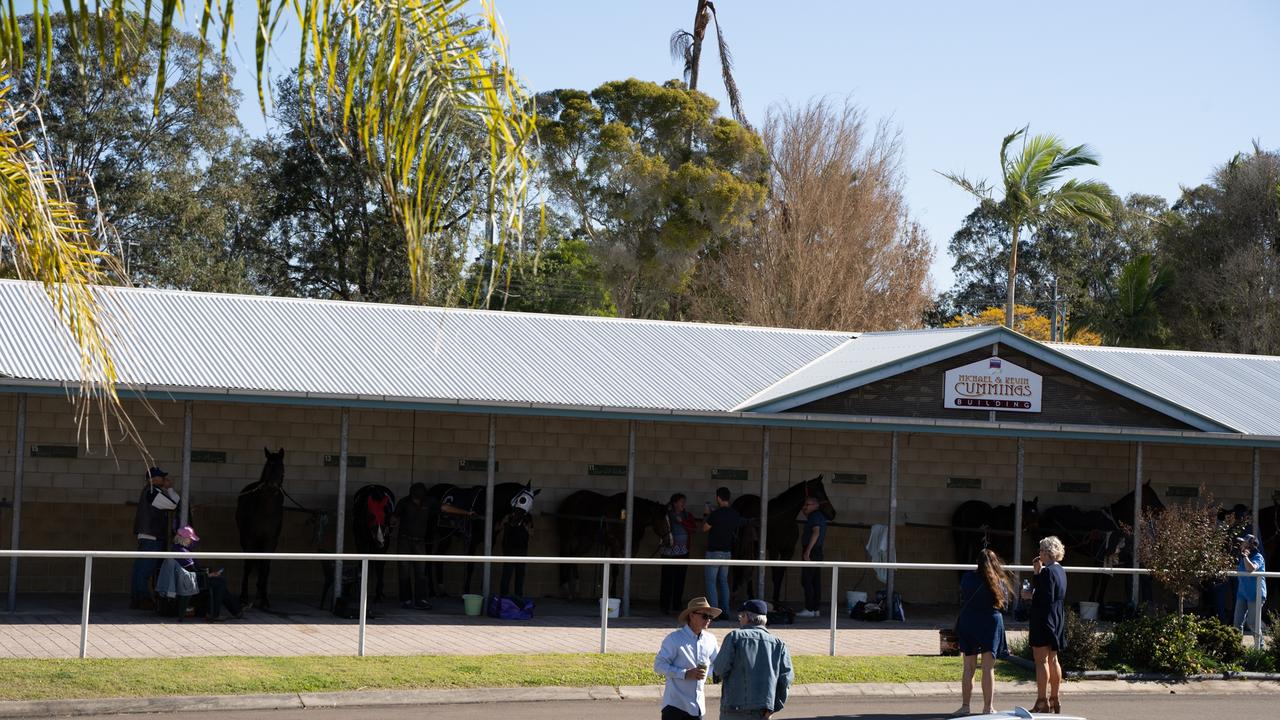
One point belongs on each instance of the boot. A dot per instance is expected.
(1055, 705)
(1041, 706)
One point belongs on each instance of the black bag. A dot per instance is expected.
(782, 615)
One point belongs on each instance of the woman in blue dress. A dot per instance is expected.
(984, 592)
(1048, 627)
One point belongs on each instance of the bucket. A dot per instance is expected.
(472, 604)
(1088, 611)
(614, 604)
(853, 597)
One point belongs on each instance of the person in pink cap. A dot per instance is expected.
(185, 541)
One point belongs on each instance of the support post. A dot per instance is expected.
(630, 517)
(84, 606)
(184, 508)
(1257, 600)
(1017, 510)
(762, 554)
(604, 609)
(364, 601)
(1137, 526)
(835, 613)
(490, 474)
(893, 519)
(15, 535)
(342, 503)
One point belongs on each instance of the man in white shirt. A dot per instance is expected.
(153, 526)
(683, 660)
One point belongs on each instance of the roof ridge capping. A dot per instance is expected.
(1162, 351)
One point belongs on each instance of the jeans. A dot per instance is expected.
(717, 577)
(811, 582)
(741, 714)
(144, 568)
(1244, 613)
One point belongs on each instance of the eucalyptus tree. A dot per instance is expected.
(1035, 193)
(686, 47)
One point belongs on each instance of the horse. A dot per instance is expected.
(976, 525)
(588, 520)
(259, 518)
(1268, 534)
(784, 531)
(1093, 536)
(462, 516)
(371, 511)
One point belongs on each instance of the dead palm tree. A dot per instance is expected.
(686, 47)
(1031, 197)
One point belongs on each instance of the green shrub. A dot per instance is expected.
(1085, 644)
(1176, 644)
(1272, 637)
(1258, 661)
(1221, 644)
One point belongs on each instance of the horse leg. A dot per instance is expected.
(244, 580)
(264, 574)
(378, 567)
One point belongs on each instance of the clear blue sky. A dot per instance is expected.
(1163, 91)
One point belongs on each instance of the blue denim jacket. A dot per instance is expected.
(755, 667)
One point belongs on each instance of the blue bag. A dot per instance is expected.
(505, 608)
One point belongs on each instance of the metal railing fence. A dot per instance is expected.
(606, 564)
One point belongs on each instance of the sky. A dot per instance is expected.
(1163, 91)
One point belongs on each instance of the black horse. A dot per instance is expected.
(784, 531)
(1268, 534)
(589, 523)
(259, 517)
(462, 517)
(977, 525)
(371, 511)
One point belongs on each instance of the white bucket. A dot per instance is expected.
(614, 604)
(1088, 611)
(853, 597)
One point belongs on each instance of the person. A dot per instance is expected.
(1048, 622)
(184, 541)
(517, 530)
(671, 588)
(812, 539)
(683, 660)
(1220, 591)
(152, 525)
(984, 593)
(754, 665)
(1251, 561)
(413, 521)
(721, 526)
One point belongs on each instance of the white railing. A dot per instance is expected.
(605, 563)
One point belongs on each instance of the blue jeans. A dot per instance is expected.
(144, 567)
(717, 577)
(1244, 613)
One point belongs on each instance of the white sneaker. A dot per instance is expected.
(807, 614)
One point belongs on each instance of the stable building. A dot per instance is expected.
(903, 426)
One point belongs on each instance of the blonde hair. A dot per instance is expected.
(1053, 546)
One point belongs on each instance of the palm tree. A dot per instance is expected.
(686, 47)
(1030, 196)
(1129, 313)
(423, 70)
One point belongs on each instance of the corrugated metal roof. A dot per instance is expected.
(1239, 391)
(263, 345)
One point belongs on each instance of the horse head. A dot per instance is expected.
(1150, 498)
(377, 508)
(1031, 514)
(523, 501)
(273, 468)
(813, 488)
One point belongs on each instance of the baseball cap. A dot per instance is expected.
(1247, 539)
(156, 472)
(754, 606)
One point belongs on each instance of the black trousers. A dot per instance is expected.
(413, 575)
(811, 582)
(670, 713)
(510, 570)
(671, 587)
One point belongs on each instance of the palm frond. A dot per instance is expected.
(1087, 199)
(682, 51)
(726, 71)
(980, 190)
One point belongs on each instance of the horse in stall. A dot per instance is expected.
(784, 530)
(259, 518)
(371, 511)
(976, 525)
(1268, 534)
(587, 520)
(462, 517)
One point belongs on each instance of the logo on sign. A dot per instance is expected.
(992, 384)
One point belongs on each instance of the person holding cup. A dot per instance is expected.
(1048, 627)
(683, 660)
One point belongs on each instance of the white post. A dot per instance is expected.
(364, 600)
(604, 609)
(629, 525)
(835, 613)
(84, 606)
(184, 508)
(492, 472)
(762, 554)
(1137, 526)
(1257, 598)
(342, 504)
(15, 534)
(893, 520)
(1017, 510)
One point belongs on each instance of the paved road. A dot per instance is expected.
(1093, 706)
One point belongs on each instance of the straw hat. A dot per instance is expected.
(698, 603)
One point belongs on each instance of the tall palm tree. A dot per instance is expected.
(1032, 195)
(686, 47)
(422, 70)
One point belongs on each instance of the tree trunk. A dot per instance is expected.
(1013, 276)
(699, 32)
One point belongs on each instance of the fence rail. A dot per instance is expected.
(606, 564)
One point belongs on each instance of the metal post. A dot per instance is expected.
(835, 595)
(1137, 525)
(764, 514)
(84, 606)
(893, 519)
(15, 535)
(342, 503)
(488, 499)
(1257, 599)
(1017, 509)
(629, 514)
(604, 609)
(184, 508)
(364, 600)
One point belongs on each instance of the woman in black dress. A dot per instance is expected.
(1048, 630)
(984, 592)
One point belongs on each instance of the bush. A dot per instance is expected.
(1258, 661)
(1273, 638)
(1221, 644)
(1085, 644)
(1176, 644)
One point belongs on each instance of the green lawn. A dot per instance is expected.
(44, 679)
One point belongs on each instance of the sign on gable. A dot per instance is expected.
(992, 384)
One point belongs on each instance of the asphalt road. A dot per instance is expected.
(1094, 707)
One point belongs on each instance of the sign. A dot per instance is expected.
(353, 461)
(608, 470)
(729, 474)
(54, 451)
(208, 456)
(850, 478)
(992, 384)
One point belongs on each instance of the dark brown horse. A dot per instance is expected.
(259, 517)
(1268, 534)
(784, 531)
(371, 511)
(462, 518)
(590, 524)
(977, 525)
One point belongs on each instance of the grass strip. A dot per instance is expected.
(153, 677)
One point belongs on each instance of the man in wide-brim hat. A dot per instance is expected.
(683, 660)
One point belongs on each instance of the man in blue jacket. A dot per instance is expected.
(754, 665)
